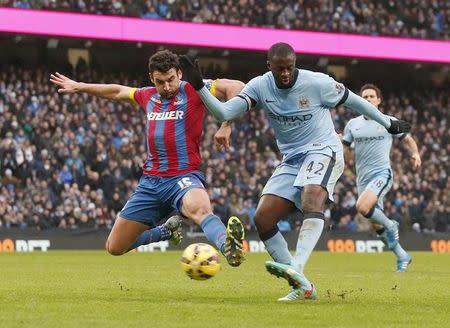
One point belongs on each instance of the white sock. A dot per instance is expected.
(307, 239)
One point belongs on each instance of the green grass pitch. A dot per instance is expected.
(93, 289)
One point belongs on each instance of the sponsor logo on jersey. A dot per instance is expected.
(173, 115)
(368, 139)
(290, 120)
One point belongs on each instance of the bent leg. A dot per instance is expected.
(123, 234)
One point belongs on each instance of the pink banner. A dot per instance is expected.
(219, 36)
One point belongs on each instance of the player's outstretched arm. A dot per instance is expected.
(227, 111)
(109, 91)
(362, 106)
(414, 151)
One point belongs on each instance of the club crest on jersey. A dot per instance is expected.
(172, 115)
(178, 101)
(303, 102)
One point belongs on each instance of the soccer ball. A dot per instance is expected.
(200, 261)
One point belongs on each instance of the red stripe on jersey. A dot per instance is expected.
(193, 125)
(169, 140)
(151, 141)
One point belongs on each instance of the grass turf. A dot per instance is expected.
(93, 289)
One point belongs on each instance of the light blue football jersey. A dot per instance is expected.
(372, 146)
(300, 115)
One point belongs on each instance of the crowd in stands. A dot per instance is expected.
(71, 161)
(408, 18)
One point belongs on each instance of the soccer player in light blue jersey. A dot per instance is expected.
(374, 176)
(297, 103)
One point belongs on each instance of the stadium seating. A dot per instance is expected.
(72, 161)
(410, 18)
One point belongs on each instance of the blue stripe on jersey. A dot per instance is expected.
(180, 131)
(159, 140)
(149, 109)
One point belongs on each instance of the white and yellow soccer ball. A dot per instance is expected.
(200, 261)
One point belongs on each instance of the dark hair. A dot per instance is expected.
(280, 49)
(163, 61)
(373, 87)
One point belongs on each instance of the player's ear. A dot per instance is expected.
(150, 75)
(268, 64)
(180, 74)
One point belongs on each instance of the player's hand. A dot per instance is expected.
(417, 161)
(222, 137)
(191, 71)
(66, 85)
(399, 126)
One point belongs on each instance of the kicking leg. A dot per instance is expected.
(197, 206)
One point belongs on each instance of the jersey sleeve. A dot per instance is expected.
(347, 138)
(250, 92)
(210, 85)
(332, 93)
(140, 96)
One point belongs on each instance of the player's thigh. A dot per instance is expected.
(196, 204)
(123, 234)
(317, 177)
(270, 210)
(366, 201)
(146, 204)
(281, 184)
(189, 197)
(376, 190)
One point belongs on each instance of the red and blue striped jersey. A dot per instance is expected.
(173, 129)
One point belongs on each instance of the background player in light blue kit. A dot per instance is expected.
(297, 103)
(374, 174)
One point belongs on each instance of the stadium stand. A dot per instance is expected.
(409, 18)
(71, 161)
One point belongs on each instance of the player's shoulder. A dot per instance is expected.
(312, 77)
(355, 120)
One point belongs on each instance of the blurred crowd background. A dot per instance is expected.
(72, 161)
(408, 18)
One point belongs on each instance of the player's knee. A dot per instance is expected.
(198, 212)
(262, 223)
(313, 199)
(114, 249)
(364, 208)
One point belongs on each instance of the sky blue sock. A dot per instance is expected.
(153, 235)
(399, 251)
(215, 231)
(379, 217)
(277, 246)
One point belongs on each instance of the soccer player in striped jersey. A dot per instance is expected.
(171, 177)
(374, 176)
(297, 103)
